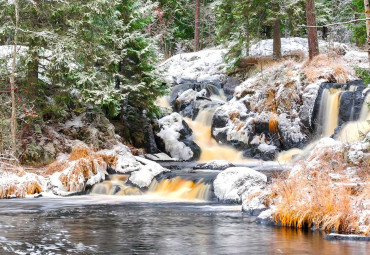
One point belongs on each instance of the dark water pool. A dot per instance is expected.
(106, 225)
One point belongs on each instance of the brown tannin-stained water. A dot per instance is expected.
(329, 110)
(178, 188)
(211, 149)
(354, 131)
(118, 225)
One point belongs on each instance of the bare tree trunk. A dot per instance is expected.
(313, 43)
(277, 40)
(203, 21)
(197, 25)
(367, 13)
(13, 124)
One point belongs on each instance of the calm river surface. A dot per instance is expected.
(111, 225)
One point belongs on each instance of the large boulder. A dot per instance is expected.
(231, 183)
(177, 138)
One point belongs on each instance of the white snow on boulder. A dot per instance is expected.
(20, 184)
(126, 162)
(233, 182)
(144, 177)
(216, 165)
(171, 126)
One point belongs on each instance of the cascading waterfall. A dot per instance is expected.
(211, 149)
(176, 188)
(355, 130)
(329, 111)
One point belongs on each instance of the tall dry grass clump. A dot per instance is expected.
(80, 151)
(307, 200)
(330, 68)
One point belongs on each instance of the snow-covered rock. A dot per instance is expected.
(125, 162)
(78, 174)
(144, 177)
(231, 183)
(215, 165)
(176, 136)
(21, 184)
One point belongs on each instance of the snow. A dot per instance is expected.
(357, 59)
(266, 148)
(253, 200)
(231, 183)
(75, 122)
(293, 45)
(171, 126)
(290, 129)
(144, 177)
(216, 165)
(188, 96)
(126, 162)
(17, 183)
(309, 97)
(265, 215)
(203, 65)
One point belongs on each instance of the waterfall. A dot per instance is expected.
(211, 149)
(178, 188)
(175, 188)
(355, 130)
(115, 185)
(329, 111)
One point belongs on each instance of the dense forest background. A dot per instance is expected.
(74, 55)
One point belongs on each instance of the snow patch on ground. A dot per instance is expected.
(203, 65)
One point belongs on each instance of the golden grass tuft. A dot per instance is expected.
(109, 159)
(234, 115)
(319, 66)
(56, 166)
(79, 151)
(307, 200)
(273, 124)
(33, 188)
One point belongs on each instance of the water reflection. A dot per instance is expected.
(86, 225)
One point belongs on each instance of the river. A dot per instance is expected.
(148, 225)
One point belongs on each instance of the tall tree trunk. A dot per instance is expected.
(277, 40)
(202, 27)
(197, 25)
(367, 13)
(13, 124)
(313, 43)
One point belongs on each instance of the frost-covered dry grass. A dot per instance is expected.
(330, 190)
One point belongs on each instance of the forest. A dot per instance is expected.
(257, 110)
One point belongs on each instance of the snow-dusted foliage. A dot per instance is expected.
(231, 183)
(171, 126)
